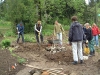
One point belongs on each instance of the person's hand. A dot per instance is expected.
(86, 41)
(18, 32)
(38, 33)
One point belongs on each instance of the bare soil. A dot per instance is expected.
(38, 56)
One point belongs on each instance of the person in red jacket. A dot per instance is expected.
(95, 33)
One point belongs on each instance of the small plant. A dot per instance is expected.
(5, 43)
(21, 60)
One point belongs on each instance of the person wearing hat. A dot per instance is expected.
(38, 30)
(20, 31)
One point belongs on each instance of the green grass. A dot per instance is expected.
(5, 24)
(29, 37)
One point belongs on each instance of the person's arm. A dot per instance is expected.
(35, 28)
(70, 34)
(17, 29)
(40, 29)
(62, 29)
(54, 30)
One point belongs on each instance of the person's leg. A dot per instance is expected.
(90, 47)
(74, 50)
(41, 37)
(18, 38)
(37, 38)
(80, 53)
(22, 37)
(94, 37)
(97, 41)
(60, 34)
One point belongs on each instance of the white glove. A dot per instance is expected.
(18, 32)
(86, 41)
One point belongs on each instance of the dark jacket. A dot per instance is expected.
(37, 28)
(88, 33)
(20, 28)
(76, 32)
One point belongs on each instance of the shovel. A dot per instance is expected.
(39, 37)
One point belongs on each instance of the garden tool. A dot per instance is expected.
(39, 37)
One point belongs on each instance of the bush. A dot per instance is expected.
(5, 43)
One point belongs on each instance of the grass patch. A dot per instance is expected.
(5, 43)
(29, 37)
(5, 24)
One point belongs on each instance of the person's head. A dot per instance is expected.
(21, 23)
(87, 25)
(74, 18)
(39, 22)
(56, 22)
(94, 25)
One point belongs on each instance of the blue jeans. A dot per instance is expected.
(22, 35)
(96, 40)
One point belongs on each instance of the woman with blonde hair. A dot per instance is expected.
(38, 30)
(89, 37)
(95, 33)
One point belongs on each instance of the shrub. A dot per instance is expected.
(5, 43)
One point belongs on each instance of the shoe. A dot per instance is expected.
(93, 53)
(74, 63)
(81, 61)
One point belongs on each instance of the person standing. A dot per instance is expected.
(20, 31)
(90, 39)
(76, 36)
(95, 32)
(38, 30)
(58, 31)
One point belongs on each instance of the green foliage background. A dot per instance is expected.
(29, 11)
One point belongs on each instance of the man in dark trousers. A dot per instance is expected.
(20, 30)
(38, 34)
(76, 35)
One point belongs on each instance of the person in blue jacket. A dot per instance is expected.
(20, 31)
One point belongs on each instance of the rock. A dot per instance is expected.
(35, 71)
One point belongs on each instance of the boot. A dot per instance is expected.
(81, 61)
(91, 53)
(74, 63)
(94, 52)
